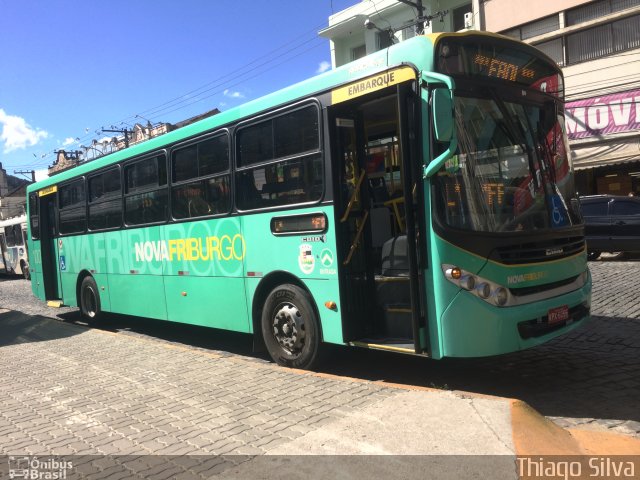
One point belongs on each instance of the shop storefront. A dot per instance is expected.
(604, 133)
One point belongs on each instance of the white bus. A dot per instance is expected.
(13, 235)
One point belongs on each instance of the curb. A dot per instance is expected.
(534, 434)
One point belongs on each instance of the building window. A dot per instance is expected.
(553, 49)
(358, 52)
(598, 9)
(533, 29)
(384, 39)
(408, 32)
(603, 40)
(458, 16)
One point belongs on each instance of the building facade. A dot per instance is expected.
(597, 44)
(12, 195)
(372, 25)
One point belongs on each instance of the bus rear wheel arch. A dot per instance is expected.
(290, 327)
(89, 299)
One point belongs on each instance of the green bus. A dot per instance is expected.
(419, 200)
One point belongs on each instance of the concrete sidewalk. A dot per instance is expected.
(71, 390)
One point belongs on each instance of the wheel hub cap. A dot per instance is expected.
(288, 328)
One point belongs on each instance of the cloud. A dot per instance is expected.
(323, 66)
(17, 134)
(42, 174)
(230, 94)
(68, 141)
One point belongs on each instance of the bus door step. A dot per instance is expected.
(397, 321)
(54, 303)
(400, 345)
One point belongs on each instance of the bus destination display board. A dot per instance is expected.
(496, 59)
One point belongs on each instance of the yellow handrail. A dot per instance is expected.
(354, 197)
(356, 240)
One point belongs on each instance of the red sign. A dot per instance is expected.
(618, 112)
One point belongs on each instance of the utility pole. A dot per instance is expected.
(25, 172)
(125, 132)
(421, 18)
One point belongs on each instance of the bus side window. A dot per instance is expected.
(146, 198)
(200, 179)
(280, 160)
(34, 217)
(105, 202)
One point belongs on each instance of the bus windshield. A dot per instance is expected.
(511, 171)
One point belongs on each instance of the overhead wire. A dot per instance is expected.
(187, 99)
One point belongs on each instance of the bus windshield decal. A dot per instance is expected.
(372, 84)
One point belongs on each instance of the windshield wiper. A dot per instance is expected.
(516, 135)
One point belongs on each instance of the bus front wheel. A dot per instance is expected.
(290, 327)
(89, 299)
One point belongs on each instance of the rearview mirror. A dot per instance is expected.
(442, 117)
(442, 114)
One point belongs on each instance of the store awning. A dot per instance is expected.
(604, 154)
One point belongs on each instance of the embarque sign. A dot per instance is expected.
(372, 84)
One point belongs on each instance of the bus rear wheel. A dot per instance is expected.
(290, 327)
(89, 299)
(25, 270)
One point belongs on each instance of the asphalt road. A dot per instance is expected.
(589, 377)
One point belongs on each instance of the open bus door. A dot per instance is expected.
(379, 190)
(49, 247)
(3, 249)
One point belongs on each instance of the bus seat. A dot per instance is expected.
(380, 226)
(395, 259)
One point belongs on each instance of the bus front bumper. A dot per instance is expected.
(474, 328)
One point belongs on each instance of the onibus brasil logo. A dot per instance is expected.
(34, 468)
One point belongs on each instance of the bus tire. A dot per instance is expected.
(26, 273)
(290, 327)
(89, 299)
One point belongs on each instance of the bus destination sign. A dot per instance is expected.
(474, 57)
(494, 67)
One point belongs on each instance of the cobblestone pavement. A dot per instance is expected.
(84, 387)
(67, 389)
(588, 378)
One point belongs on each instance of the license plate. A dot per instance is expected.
(558, 314)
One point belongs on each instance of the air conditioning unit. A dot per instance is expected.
(468, 20)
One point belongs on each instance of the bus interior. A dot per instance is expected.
(377, 235)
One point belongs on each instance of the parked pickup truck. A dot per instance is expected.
(612, 224)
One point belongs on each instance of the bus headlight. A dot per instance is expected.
(501, 296)
(468, 282)
(486, 290)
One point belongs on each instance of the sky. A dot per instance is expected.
(69, 68)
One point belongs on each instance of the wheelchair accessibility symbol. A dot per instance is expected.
(557, 216)
(63, 264)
